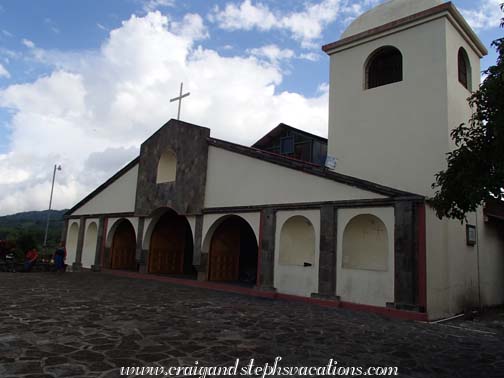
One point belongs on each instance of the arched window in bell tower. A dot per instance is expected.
(384, 66)
(464, 69)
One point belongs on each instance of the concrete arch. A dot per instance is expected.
(113, 227)
(365, 243)
(122, 242)
(205, 246)
(71, 242)
(169, 241)
(297, 242)
(366, 286)
(297, 276)
(152, 221)
(89, 246)
(232, 247)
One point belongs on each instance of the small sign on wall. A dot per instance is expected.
(331, 162)
(470, 234)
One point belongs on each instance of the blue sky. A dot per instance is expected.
(82, 83)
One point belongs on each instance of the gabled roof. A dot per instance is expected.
(110, 181)
(277, 131)
(284, 161)
(311, 168)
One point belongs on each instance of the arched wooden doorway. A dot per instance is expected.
(171, 246)
(233, 252)
(123, 250)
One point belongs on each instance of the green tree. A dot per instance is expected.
(25, 241)
(475, 171)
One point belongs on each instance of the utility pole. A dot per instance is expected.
(56, 167)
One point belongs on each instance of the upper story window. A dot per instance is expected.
(287, 145)
(464, 69)
(167, 167)
(384, 66)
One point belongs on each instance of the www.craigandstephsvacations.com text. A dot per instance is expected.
(250, 368)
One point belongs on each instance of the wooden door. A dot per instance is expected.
(166, 254)
(123, 247)
(225, 252)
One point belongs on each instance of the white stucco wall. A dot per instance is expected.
(491, 260)
(296, 279)
(458, 109)
(89, 245)
(238, 180)
(118, 197)
(460, 276)
(365, 244)
(395, 134)
(369, 287)
(71, 242)
(452, 266)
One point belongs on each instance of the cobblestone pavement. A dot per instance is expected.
(91, 324)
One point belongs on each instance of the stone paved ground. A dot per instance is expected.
(89, 324)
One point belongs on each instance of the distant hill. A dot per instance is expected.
(29, 217)
(28, 228)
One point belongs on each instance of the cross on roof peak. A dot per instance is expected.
(179, 99)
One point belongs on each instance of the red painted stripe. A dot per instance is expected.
(389, 312)
(422, 258)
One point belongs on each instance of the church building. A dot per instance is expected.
(344, 219)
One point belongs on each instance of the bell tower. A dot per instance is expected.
(400, 77)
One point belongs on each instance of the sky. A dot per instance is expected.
(83, 83)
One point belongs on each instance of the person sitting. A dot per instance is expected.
(30, 259)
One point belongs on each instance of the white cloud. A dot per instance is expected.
(100, 26)
(4, 72)
(51, 25)
(96, 107)
(305, 26)
(246, 16)
(191, 27)
(7, 33)
(487, 15)
(272, 53)
(313, 57)
(152, 5)
(28, 43)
